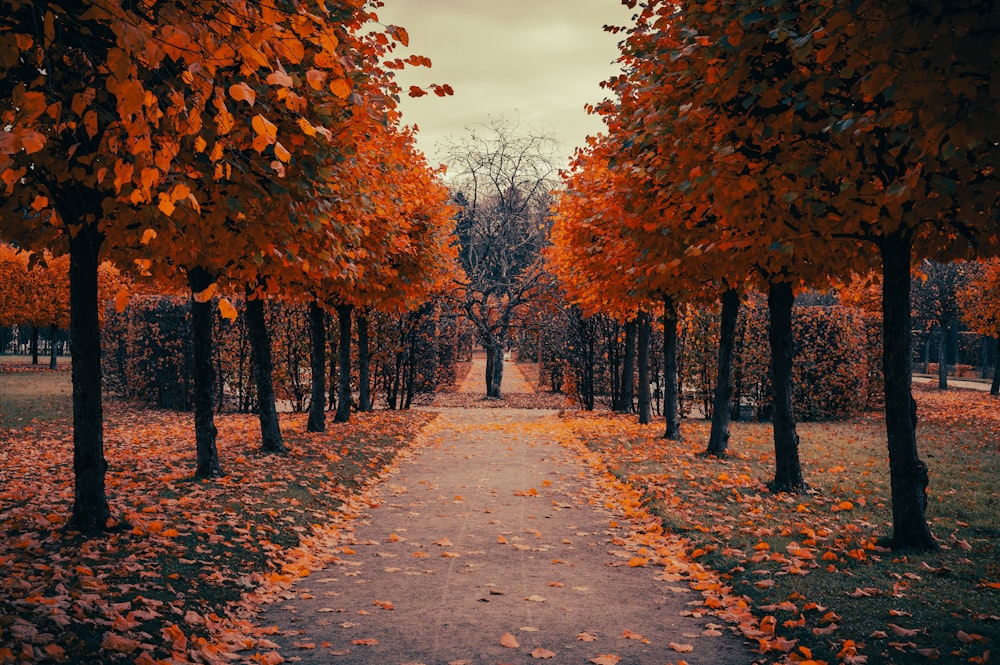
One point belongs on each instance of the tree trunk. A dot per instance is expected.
(334, 362)
(995, 386)
(411, 373)
(628, 368)
(317, 358)
(90, 504)
(671, 403)
(34, 345)
(787, 468)
(53, 331)
(203, 375)
(718, 440)
(344, 313)
(364, 366)
(943, 357)
(260, 347)
(494, 368)
(644, 333)
(907, 473)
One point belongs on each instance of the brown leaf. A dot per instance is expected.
(541, 653)
(606, 659)
(681, 648)
(904, 632)
(509, 641)
(586, 637)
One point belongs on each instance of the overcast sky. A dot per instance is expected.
(536, 60)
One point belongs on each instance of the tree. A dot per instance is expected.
(979, 301)
(935, 303)
(501, 182)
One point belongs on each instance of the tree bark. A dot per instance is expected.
(203, 375)
(628, 367)
(34, 345)
(494, 368)
(943, 357)
(344, 313)
(53, 331)
(671, 403)
(90, 513)
(644, 333)
(260, 347)
(718, 440)
(787, 467)
(907, 473)
(995, 386)
(317, 358)
(364, 366)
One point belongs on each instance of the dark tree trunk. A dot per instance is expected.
(90, 504)
(718, 440)
(34, 345)
(671, 404)
(494, 368)
(628, 368)
(364, 366)
(644, 333)
(344, 314)
(203, 375)
(787, 468)
(317, 346)
(53, 331)
(334, 362)
(907, 473)
(260, 346)
(995, 386)
(411, 374)
(943, 357)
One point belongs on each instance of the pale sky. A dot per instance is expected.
(539, 61)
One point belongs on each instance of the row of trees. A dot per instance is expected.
(229, 149)
(776, 146)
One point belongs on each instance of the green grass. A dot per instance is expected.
(750, 536)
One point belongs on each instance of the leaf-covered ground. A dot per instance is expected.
(804, 574)
(191, 559)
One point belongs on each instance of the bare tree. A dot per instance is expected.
(501, 180)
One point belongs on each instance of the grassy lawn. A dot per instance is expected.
(810, 566)
(33, 392)
(189, 559)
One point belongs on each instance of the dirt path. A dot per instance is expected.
(494, 528)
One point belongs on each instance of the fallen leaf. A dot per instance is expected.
(541, 653)
(630, 635)
(586, 637)
(509, 641)
(606, 659)
(367, 642)
(681, 648)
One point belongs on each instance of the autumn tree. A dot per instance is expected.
(979, 302)
(99, 102)
(935, 304)
(501, 180)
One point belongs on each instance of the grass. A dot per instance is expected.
(800, 557)
(189, 559)
(33, 392)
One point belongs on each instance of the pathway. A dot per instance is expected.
(490, 546)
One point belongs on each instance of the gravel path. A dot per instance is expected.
(492, 545)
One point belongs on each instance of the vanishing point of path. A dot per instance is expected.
(490, 545)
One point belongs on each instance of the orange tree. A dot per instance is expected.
(401, 253)
(99, 101)
(880, 146)
(979, 303)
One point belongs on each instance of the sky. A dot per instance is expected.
(534, 61)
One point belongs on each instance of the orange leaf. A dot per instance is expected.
(606, 659)
(509, 641)
(681, 648)
(241, 92)
(175, 636)
(341, 88)
(541, 653)
(227, 310)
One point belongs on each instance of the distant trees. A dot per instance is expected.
(501, 180)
